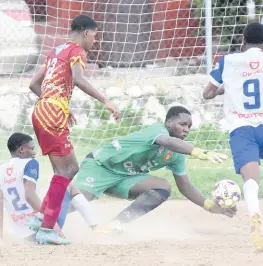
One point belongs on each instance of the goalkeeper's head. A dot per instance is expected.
(178, 121)
(253, 35)
(21, 145)
(84, 30)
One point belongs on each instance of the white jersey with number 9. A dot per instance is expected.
(242, 76)
(12, 175)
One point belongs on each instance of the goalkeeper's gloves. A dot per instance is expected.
(211, 206)
(208, 155)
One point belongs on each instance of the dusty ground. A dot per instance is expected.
(178, 233)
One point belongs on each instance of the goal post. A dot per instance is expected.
(149, 55)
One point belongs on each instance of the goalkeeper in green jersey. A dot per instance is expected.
(121, 169)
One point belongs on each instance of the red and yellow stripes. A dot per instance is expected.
(75, 59)
(51, 117)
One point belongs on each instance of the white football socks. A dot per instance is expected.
(250, 189)
(81, 205)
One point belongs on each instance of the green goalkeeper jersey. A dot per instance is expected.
(137, 153)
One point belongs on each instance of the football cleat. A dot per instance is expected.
(51, 237)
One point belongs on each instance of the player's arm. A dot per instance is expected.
(189, 190)
(36, 82)
(1, 214)
(211, 91)
(183, 183)
(174, 144)
(193, 194)
(180, 146)
(214, 88)
(81, 81)
(31, 195)
(31, 175)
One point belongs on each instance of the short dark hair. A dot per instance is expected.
(175, 111)
(253, 33)
(82, 23)
(16, 140)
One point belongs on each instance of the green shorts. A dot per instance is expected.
(96, 179)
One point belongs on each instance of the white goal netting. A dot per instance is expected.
(149, 55)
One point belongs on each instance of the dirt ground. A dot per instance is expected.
(177, 233)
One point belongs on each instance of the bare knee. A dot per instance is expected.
(250, 171)
(165, 185)
(66, 166)
(70, 171)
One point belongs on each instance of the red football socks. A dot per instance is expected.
(44, 204)
(54, 198)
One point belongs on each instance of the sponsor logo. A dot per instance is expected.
(89, 179)
(168, 156)
(252, 115)
(9, 171)
(21, 217)
(10, 180)
(88, 182)
(33, 172)
(254, 65)
(255, 69)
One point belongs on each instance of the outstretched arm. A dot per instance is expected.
(80, 80)
(180, 146)
(193, 194)
(174, 144)
(36, 82)
(189, 190)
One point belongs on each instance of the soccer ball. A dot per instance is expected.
(226, 193)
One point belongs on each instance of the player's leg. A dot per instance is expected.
(65, 167)
(80, 202)
(64, 210)
(92, 180)
(62, 157)
(147, 192)
(245, 151)
(251, 175)
(35, 223)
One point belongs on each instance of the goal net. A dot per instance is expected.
(149, 55)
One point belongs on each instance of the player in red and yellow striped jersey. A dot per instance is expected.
(54, 84)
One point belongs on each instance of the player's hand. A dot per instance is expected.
(113, 109)
(208, 155)
(71, 119)
(212, 207)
